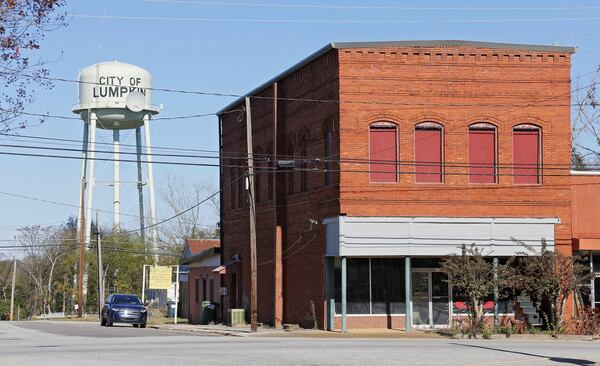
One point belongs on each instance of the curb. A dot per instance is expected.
(194, 330)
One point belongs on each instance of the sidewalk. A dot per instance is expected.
(244, 331)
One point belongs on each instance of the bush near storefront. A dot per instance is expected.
(547, 276)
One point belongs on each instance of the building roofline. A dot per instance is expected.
(207, 253)
(455, 43)
(390, 44)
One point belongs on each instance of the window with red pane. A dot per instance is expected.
(482, 153)
(526, 154)
(383, 152)
(428, 153)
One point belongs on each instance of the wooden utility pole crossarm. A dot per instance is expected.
(253, 265)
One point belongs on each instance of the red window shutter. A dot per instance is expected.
(482, 156)
(383, 154)
(428, 155)
(526, 154)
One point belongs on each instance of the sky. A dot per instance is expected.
(230, 47)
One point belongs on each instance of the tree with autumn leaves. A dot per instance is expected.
(23, 25)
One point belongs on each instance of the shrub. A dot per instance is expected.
(588, 323)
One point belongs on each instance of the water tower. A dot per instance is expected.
(115, 96)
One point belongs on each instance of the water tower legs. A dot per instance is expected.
(151, 197)
(90, 181)
(140, 182)
(116, 182)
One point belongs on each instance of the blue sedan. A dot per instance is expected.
(120, 308)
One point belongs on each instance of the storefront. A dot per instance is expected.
(376, 263)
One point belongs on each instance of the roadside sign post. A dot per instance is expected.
(143, 283)
(176, 291)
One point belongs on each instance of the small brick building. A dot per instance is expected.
(200, 257)
(402, 152)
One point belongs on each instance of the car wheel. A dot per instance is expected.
(136, 325)
(102, 321)
(108, 321)
(143, 325)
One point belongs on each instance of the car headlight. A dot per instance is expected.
(143, 311)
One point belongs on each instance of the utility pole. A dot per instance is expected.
(100, 268)
(81, 254)
(12, 289)
(253, 274)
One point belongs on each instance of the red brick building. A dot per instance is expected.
(403, 151)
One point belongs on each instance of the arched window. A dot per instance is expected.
(527, 154)
(258, 166)
(290, 174)
(241, 182)
(328, 156)
(482, 153)
(428, 152)
(383, 152)
(232, 187)
(271, 173)
(303, 164)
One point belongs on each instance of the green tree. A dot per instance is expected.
(549, 278)
(471, 276)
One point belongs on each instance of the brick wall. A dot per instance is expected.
(383, 321)
(457, 87)
(303, 266)
(193, 307)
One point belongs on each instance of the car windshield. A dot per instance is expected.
(126, 299)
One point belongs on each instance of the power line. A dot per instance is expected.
(184, 211)
(307, 160)
(334, 21)
(47, 115)
(363, 7)
(309, 100)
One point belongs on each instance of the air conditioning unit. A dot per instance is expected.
(236, 317)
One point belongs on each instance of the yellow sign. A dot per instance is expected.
(160, 278)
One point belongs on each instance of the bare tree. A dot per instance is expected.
(23, 24)
(179, 197)
(585, 132)
(43, 250)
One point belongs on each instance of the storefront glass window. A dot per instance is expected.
(387, 286)
(375, 286)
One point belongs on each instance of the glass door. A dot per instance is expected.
(429, 299)
(440, 309)
(420, 299)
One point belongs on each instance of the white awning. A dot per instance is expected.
(434, 236)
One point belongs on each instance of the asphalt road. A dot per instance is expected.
(73, 343)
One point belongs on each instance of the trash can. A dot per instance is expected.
(209, 312)
(170, 309)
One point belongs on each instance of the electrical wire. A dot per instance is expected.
(329, 170)
(306, 161)
(335, 21)
(310, 100)
(363, 7)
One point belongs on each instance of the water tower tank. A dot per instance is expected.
(119, 93)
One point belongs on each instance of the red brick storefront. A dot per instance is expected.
(495, 119)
